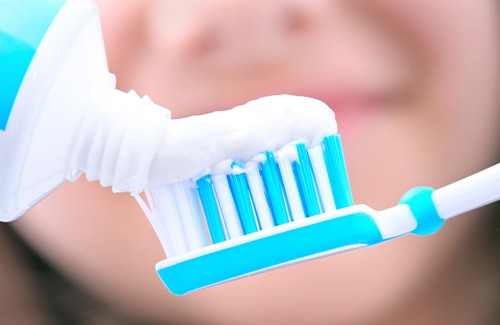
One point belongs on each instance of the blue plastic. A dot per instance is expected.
(266, 252)
(239, 257)
(272, 183)
(337, 172)
(421, 205)
(23, 24)
(241, 193)
(305, 179)
(209, 205)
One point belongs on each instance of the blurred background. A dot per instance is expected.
(415, 90)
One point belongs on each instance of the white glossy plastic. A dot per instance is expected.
(469, 193)
(69, 118)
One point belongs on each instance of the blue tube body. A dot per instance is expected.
(23, 23)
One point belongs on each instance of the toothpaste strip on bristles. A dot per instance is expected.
(194, 144)
(242, 198)
(257, 212)
(262, 165)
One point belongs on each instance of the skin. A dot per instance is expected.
(414, 86)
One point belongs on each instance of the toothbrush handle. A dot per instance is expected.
(469, 193)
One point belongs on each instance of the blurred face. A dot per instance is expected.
(414, 86)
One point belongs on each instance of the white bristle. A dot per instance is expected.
(190, 214)
(258, 196)
(227, 206)
(172, 221)
(321, 177)
(241, 217)
(155, 220)
(291, 190)
(178, 212)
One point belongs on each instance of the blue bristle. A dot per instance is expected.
(253, 198)
(306, 181)
(337, 173)
(273, 189)
(209, 204)
(273, 186)
(241, 195)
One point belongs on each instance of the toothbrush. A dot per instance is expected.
(244, 217)
(287, 207)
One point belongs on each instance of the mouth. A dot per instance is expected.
(356, 104)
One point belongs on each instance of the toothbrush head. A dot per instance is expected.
(287, 207)
(277, 209)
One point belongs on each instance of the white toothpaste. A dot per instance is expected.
(61, 115)
(193, 145)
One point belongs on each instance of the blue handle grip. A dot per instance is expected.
(421, 205)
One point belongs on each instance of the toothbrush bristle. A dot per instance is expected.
(277, 188)
(271, 178)
(337, 173)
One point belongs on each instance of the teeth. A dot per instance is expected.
(239, 199)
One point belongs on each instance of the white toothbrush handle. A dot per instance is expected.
(469, 193)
